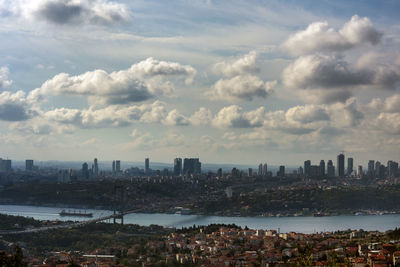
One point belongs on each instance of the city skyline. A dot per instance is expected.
(228, 81)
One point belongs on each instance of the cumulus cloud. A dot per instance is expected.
(331, 78)
(4, 81)
(319, 36)
(234, 117)
(116, 116)
(390, 104)
(140, 82)
(346, 114)
(14, 107)
(388, 122)
(307, 114)
(245, 64)
(318, 71)
(175, 118)
(201, 117)
(72, 11)
(240, 83)
(242, 87)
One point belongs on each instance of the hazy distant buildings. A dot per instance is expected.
(146, 166)
(340, 165)
(113, 166)
(265, 169)
(378, 170)
(260, 169)
(250, 172)
(29, 165)
(191, 166)
(349, 166)
(177, 166)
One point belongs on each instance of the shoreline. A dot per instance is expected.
(100, 208)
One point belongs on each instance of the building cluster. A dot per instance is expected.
(227, 246)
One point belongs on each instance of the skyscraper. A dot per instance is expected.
(113, 166)
(85, 170)
(146, 166)
(96, 168)
(29, 165)
(371, 167)
(177, 166)
(281, 172)
(322, 167)
(330, 169)
(265, 169)
(191, 166)
(349, 166)
(118, 166)
(378, 169)
(340, 165)
(250, 172)
(260, 169)
(307, 165)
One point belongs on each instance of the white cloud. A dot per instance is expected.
(245, 64)
(64, 12)
(14, 107)
(4, 81)
(320, 37)
(234, 117)
(175, 118)
(307, 114)
(390, 104)
(241, 87)
(201, 117)
(327, 79)
(140, 82)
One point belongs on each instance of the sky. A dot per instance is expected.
(226, 81)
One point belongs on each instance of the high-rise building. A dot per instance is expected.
(330, 169)
(29, 165)
(315, 171)
(250, 172)
(265, 169)
(177, 166)
(378, 169)
(322, 167)
(349, 166)
(191, 166)
(6, 165)
(118, 166)
(219, 173)
(340, 165)
(96, 168)
(307, 165)
(360, 172)
(85, 170)
(113, 166)
(260, 170)
(281, 172)
(371, 167)
(146, 166)
(392, 168)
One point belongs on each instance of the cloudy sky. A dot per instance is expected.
(226, 81)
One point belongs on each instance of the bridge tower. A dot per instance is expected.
(119, 197)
